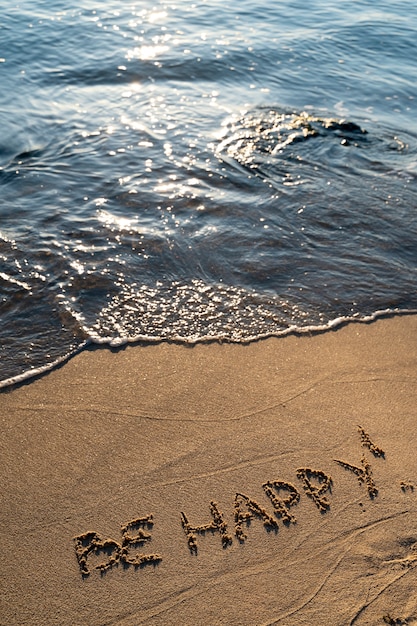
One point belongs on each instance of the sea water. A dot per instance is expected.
(202, 171)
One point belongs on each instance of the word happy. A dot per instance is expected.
(283, 497)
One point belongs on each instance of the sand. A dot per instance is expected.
(269, 483)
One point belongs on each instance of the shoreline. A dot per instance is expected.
(28, 376)
(280, 476)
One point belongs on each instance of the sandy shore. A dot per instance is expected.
(216, 484)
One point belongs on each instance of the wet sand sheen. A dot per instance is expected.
(273, 483)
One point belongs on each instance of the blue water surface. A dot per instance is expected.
(202, 171)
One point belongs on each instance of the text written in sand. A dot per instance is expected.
(282, 497)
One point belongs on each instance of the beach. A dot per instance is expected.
(267, 483)
(208, 313)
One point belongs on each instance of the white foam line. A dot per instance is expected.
(32, 373)
(118, 342)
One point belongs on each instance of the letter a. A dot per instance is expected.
(253, 510)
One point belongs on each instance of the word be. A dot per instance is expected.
(91, 543)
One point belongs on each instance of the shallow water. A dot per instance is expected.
(201, 171)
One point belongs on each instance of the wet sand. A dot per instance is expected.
(269, 483)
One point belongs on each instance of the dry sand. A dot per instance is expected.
(176, 432)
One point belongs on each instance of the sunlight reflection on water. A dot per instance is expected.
(188, 171)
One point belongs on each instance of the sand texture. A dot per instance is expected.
(260, 484)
